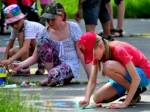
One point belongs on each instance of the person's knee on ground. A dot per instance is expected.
(97, 99)
(59, 75)
(105, 94)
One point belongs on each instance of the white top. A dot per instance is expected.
(32, 30)
(67, 49)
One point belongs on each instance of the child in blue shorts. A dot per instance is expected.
(125, 65)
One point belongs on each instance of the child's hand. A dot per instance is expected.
(15, 67)
(5, 62)
(117, 105)
(84, 103)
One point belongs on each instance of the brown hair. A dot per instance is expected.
(107, 52)
(60, 9)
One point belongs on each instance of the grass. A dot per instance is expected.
(11, 101)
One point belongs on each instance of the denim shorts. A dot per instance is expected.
(121, 90)
(92, 13)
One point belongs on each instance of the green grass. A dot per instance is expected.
(134, 8)
(11, 101)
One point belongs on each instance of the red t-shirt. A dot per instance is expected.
(124, 52)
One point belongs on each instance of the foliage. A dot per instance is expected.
(135, 9)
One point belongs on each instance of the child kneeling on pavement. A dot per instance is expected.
(125, 65)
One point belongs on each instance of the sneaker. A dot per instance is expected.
(142, 89)
(137, 97)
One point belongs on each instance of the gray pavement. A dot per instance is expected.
(64, 99)
(131, 26)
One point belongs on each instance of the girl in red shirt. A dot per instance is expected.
(126, 66)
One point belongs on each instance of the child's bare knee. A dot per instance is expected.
(97, 99)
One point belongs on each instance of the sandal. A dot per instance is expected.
(117, 32)
(108, 37)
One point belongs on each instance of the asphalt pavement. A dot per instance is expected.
(65, 99)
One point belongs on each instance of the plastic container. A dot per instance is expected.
(3, 75)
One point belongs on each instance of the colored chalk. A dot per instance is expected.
(2, 81)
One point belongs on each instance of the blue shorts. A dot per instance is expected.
(121, 90)
(94, 10)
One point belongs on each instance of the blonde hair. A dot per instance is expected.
(98, 41)
(107, 53)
